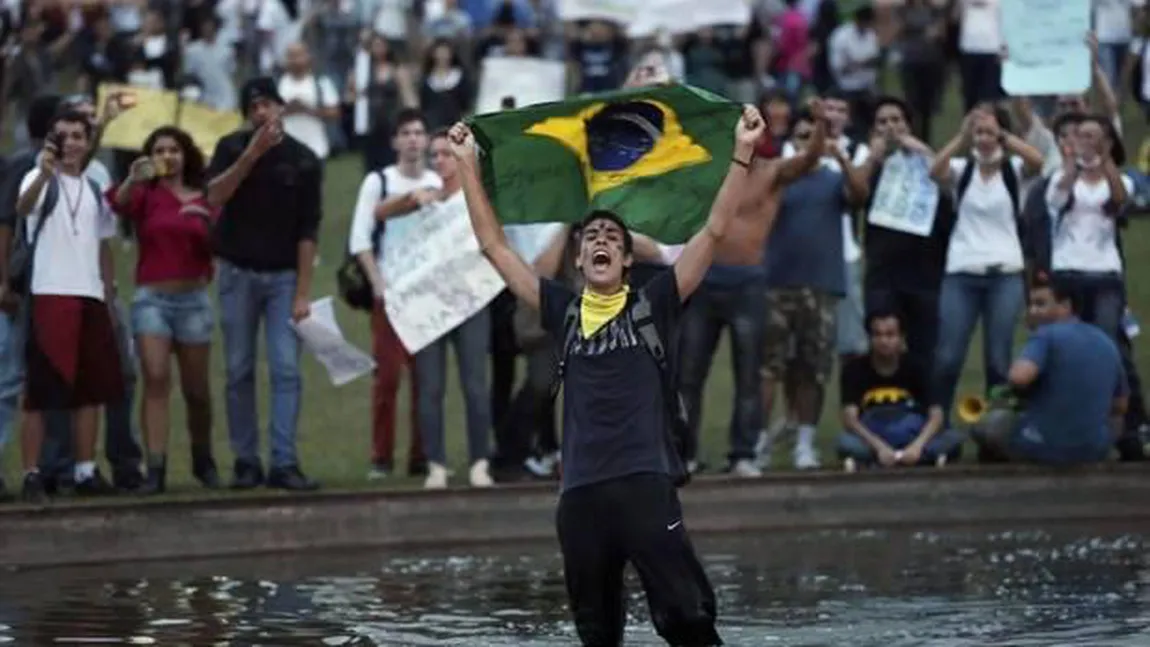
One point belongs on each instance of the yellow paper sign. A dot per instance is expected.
(157, 108)
(206, 125)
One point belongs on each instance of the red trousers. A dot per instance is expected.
(390, 357)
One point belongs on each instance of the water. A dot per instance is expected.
(1056, 586)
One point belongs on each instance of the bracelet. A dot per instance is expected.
(746, 165)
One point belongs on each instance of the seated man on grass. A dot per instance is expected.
(1072, 385)
(889, 412)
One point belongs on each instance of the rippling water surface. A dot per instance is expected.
(1070, 586)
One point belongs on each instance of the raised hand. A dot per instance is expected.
(49, 157)
(462, 142)
(817, 108)
(267, 137)
(750, 127)
(142, 170)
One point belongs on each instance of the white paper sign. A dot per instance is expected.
(1046, 45)
(435, 278)
(529, 80)
(620, 11)
(906, 198)
(685, 16)
(531, 240)
(322, 337)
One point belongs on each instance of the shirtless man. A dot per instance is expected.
(733, 295)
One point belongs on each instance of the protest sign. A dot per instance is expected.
(620, 11)
(685, 16)
(1046, 47)
(435, 278)
(906, 198)
(529, 80)
(321, 336)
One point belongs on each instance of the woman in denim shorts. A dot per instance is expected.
(163, 197)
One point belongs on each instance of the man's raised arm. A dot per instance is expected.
(698, 252)
(516, 273)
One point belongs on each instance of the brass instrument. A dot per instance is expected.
(972, 408)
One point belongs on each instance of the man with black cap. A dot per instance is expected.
(269, 188)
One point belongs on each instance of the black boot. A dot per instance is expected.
(155, 482)
(204, 469)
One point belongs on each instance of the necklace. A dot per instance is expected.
(73, 209)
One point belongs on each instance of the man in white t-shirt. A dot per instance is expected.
(394, 191)
(72, 358)
(312, 102)
(980, 45)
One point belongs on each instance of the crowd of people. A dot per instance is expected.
(1033, 200)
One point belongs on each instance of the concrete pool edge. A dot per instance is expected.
(137, 529)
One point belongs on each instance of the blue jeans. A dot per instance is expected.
(470, 340)
(1110, 58)
(850, 320)
(12, 330)
(246, 297)
(945, 443)
(964, 299)
(121, 444)
(742, 309)
(1099, 298)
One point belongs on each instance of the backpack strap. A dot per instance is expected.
(377, 228)
(964, 180)
(570, 330)
(51, 198)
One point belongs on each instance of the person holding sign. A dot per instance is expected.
(618, 500)
(984, 260)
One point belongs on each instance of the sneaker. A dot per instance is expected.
(436, 477)
(94, 485)
(33, 489)
(542, 466)
(849, 465)
(940, 461)
(746, 469)
(806, 458)
(480, 474)
(128, 479)
(205, 471)
(378, 473)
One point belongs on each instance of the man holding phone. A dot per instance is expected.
(269, 189)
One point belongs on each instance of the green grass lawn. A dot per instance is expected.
(335, 427)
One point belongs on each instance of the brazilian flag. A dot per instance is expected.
(655, 156)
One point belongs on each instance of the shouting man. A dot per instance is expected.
(618, 501)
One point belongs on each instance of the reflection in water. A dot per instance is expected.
(1073, 586)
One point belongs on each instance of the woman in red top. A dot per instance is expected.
(172, 309)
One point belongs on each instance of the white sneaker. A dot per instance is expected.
(940, 461)
(849, 465)
(806, 458)
(436, 477)
(746, 469)
(377, 473)
(542, 466)
(480, 475)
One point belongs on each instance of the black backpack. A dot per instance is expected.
(638, 309)
(353, 283)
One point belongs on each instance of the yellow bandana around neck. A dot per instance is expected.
(595, 310)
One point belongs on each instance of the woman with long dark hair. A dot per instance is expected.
(172, 309)
(445, 92)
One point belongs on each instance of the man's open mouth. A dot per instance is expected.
(600, 259)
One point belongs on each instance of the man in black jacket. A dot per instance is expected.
(269, 187)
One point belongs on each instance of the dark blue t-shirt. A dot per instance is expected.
(614, 418)
(805, 248)
(1067, 412)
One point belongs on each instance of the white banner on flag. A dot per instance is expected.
(321, 336)
(906, 198)
(529, 80)
(435, 278)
